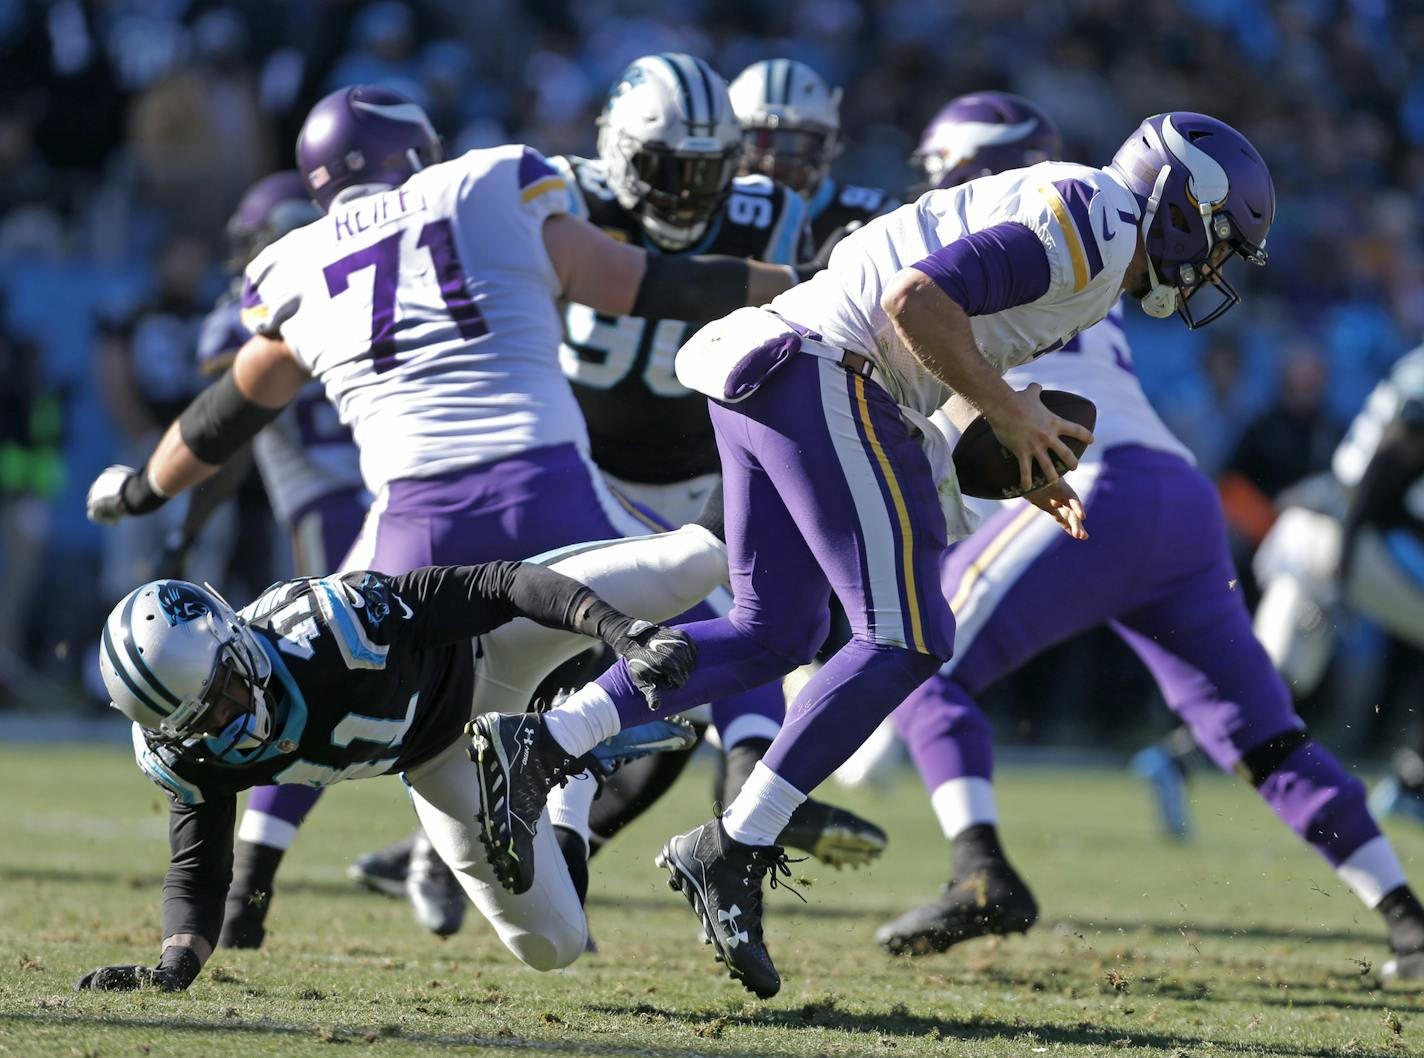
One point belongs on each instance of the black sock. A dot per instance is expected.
(710, 517)
(735, 767)
(576, 857)
(1404, 918)
(976, 848)
(254, 867)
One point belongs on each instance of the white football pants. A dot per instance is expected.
(649, 577)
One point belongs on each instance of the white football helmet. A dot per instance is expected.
(791, 120)
(670, 143)
(169, 652)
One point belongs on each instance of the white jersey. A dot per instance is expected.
(304, 453)
(1085, 219)
(428, 313)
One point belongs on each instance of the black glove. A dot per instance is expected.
(176, 969)
(806, 269)
(659, 659)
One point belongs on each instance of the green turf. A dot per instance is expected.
(1239, 943)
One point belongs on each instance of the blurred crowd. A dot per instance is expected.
(128, 129)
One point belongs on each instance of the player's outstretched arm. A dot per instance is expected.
(194, 889)
(263, 379)
(621, 280)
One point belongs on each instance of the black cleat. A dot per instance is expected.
(384, 870)
(518, 764)
(989, 899)
(833, 835)
(721, 879)
(436, 899)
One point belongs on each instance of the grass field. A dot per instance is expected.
(1240, 943)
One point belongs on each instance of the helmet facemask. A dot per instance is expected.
(675, 192)
(799, 157)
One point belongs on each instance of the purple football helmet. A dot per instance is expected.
(982, 133)
(271, 207)
(364, 134)
(1205, 195)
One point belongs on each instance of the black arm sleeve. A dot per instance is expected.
(220, 420)
(450, 603)
(697, 289)
(199, 868)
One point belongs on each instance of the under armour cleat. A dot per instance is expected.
(435, 896)
(518, 764)
(656, 736)
(721, 879)
(384, 870)
(988, 900)
(1169, 786)
(834, 836)
(1391, 797)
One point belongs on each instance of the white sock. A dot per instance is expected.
(749, 725)
(583, 720)
(1372, 871)
(763, 808)
(569, 804)
(258, 828)
(962, 803)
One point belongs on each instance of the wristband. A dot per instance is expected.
(139, 494)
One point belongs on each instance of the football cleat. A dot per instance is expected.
(721, 879)
(384, 870)
(518, 764)
(1409, 967)
(435, 896)
(834, 836)
(1169, 786)
(991, 899)
(1391, 797)
(656, 736)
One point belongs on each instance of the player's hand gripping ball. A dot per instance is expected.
(989, 471)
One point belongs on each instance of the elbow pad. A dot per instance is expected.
(696, 289)
(221, 420)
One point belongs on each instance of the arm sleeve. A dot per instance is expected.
(439, 605)
(199, 867)
(991, 270)
(696, 289)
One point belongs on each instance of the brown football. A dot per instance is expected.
(988, 470)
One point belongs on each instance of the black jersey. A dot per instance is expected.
(643, 424)
(836, 210)
(371, 674)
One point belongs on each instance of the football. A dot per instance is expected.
(987, 470)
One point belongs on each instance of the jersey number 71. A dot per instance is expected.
(384, 256)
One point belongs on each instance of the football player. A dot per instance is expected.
(311, 473)
(319, 680)
(791, 123)
(814, 401)
(425, 302)
(664, 179)
(1157, 570)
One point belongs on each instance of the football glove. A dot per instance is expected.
(177, 967)
(118, 492)
(659, 659)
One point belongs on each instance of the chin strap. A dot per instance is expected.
(1161, 300)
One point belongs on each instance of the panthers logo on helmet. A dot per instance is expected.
(180, 602)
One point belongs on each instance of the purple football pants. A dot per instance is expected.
(825, 489)
(1156, 570)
